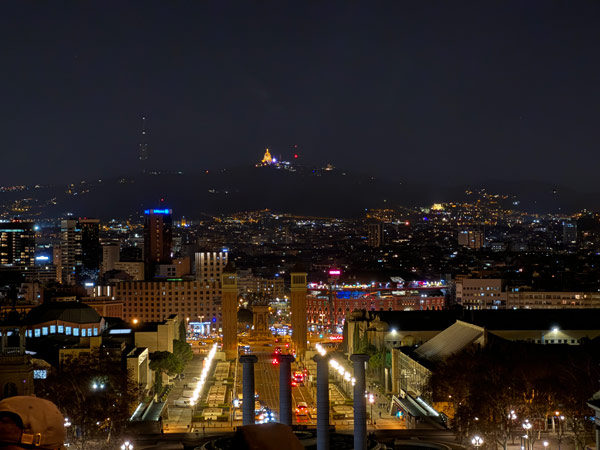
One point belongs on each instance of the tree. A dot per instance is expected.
(183, 351)
(94, 393)
(164, 362)
(182, 331)
(486, 384)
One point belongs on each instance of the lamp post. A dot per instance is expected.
(527, 426)
(546, 444)
(127, 446)
(512, 417)
(371, 401)
(477, 441)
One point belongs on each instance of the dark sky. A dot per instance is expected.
(441, 92)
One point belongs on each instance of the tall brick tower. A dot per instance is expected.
(229, 305)
(298, 309)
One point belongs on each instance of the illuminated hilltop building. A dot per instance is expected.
(267, 159)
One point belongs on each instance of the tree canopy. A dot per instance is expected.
(495, 388)
(95, 393)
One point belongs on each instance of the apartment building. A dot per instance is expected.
(152, 301)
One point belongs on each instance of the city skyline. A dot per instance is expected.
(460, 92)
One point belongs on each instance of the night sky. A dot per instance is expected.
(442, 92)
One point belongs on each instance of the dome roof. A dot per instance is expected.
(73, 312)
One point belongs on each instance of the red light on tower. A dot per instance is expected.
(296, 155)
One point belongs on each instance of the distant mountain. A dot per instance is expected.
(307, 191)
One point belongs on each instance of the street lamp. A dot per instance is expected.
(527, 426)
(512, 416)
(546, 444)
(477, 441)
(127, 446)
(371, 401)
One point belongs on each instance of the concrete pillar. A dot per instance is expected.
(285, 389)
(360, 404)
(248, 362)
(322, 401)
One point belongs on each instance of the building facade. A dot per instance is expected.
(70, 245)
(90, 243)
(323, 313)
(153, 301)
(158, 236)
(110, 256)
(471, 239)
(375, 234)
(481, 293)
(17, 243)
(209, 265)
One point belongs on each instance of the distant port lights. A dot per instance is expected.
(158, 211)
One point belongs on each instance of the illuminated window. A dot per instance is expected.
(61, 328)
(52, 329)
(37, 332)
(45, 331)
(75, 331)
(68, 331)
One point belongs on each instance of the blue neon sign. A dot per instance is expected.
(158, 211)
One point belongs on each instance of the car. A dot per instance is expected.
(302, 409)
(182, 402)
(298, 378)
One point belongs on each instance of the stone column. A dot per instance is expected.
(285, 389)
(229, 307)
(248, 362)
(360, 404)
(322, 401)
(298, 291)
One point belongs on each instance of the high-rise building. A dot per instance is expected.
(375, 234)
(90, 243)
(209, 265)
(569, 232)
(57, 262)
(110, 256)
(17, 243)
(471, 239)
(298, 290)
(157, 239)
(70, 244)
